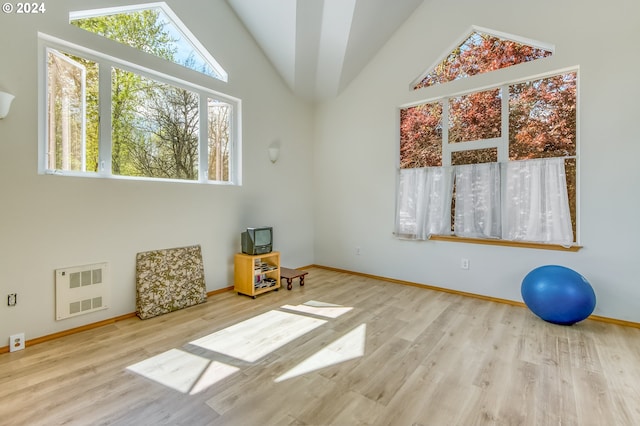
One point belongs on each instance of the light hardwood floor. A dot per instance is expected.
(430, 358)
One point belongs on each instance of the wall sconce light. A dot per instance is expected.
(274, 151)
(5, 103)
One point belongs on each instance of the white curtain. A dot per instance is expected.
(477, 211)
(424, 202)
(536, 206)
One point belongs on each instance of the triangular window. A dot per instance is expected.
(161, 34)
(482, 52)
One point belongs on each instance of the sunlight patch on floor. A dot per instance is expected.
(249, 341)
(349, 346)
(323, 309)
(257, 337)
(183, 371)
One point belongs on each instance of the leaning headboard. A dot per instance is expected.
(168, 280)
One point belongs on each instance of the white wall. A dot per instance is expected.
(356, 151)
(344, 182)
(49, 222)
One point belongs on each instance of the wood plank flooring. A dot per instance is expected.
(429, 358)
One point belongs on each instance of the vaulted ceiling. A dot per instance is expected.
(320, 46)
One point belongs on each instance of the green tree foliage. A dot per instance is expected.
(92, 113)
(154, 126)
(126, 90)
(143, 30)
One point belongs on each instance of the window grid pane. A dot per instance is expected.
(421, 136)
(474, 156)
(155, 128)
(219, 123)
(66, 109)
(476, 116)
(542, 118)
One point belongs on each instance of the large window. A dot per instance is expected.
(110, 118)
(498, 163)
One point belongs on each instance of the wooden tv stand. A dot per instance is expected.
(256, 274)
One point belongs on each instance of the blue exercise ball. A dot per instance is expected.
(558, 294)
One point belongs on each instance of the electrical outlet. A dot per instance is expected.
(12, 299)
(16, 342)
(358, 252)
(464, 263)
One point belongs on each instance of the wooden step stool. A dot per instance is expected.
(289, 274)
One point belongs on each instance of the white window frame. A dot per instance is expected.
(477, 29)
(501, 143)
(105, 63)
(83, 109)
(170, 14)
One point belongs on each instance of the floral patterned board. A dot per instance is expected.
(168, 280)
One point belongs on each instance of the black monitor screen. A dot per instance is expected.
(262, 237)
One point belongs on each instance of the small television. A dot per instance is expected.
(257, 240)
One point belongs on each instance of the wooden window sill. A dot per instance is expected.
(491, 242)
